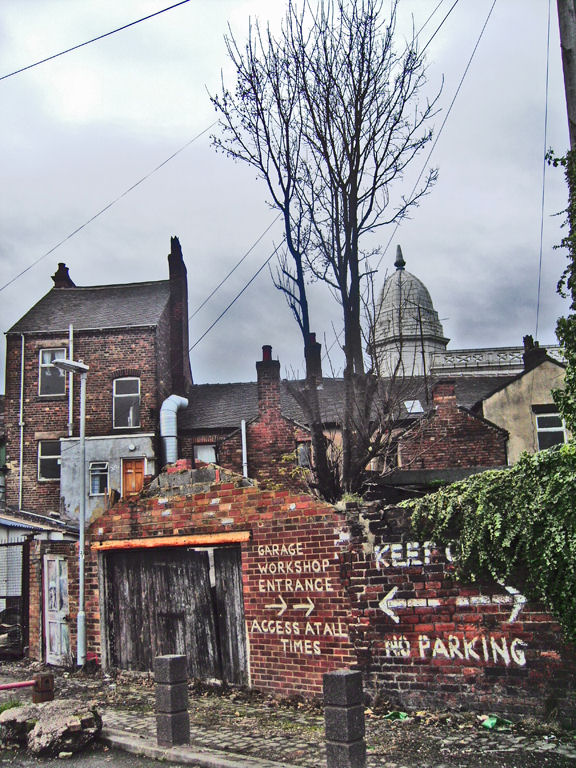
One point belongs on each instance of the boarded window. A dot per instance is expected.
(126, 403)
(51, 380)
(49, 460)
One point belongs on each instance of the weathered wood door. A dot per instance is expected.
(175, 600)
(56, 609)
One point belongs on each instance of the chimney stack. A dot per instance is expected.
(533, 354)
(313, 357)
(444, 395)
(61, 277)
(179, 344)
(268, 374)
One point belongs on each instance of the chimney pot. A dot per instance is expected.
(267, 352)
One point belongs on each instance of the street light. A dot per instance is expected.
(73, 367)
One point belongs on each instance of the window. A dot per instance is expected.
(51, 381)
(205, 453)
(126, 403)
(303, 454)
(98, 478)
(551, 430)
(413, 406)
(49, 460)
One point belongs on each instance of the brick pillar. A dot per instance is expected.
(344, 719)
(172, 719)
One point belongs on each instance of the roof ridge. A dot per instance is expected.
(110, 285)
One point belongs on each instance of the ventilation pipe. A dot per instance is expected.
(169, 427)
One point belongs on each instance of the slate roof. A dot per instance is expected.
(223, 406)
(99, 306)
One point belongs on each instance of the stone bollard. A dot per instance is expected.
(172, 719)
(43, 689)
(344, 719)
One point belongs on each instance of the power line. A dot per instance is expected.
(439, 132)
(544, 164)
(93, 40)
(235, 267)
(106, 207)
(221, 315)
(435, 142)
(439, 27)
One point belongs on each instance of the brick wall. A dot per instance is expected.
(294, 551)
(324, 589)
(424, 640)
(270, 437)
(452, 437)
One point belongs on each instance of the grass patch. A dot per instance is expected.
(10, 704)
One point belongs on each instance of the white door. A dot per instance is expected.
(56, 609)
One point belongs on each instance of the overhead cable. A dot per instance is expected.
(544, 165)
(93, 40)
(106, 207)
(235, 267)
(254, 276)
(435, 142)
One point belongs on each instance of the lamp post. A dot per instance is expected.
(76, 367)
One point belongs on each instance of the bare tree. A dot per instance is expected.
(327, 112)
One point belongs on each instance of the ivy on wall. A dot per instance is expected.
(517, 526)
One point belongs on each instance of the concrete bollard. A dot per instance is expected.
(172, 719)
(43, 689)
(344, 719)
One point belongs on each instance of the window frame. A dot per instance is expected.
(560, 429)
(116, 397)
(43, 366)
(49, 456)
(98, 469)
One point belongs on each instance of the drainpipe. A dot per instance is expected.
(70, 382)
(21, 420)
(169, 426)
(244, 450)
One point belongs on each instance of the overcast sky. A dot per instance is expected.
(76, 132)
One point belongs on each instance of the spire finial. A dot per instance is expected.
(399, 263)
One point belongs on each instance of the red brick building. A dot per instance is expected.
(134, 339)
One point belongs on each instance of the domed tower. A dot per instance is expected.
(408, 332)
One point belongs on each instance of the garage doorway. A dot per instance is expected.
(177, 600)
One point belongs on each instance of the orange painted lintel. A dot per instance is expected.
(196, 540)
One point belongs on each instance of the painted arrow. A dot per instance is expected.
(519, 601)
(513, 597)
(308, 607)
(385, 605)
(282, 605)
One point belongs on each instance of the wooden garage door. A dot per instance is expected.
(177, 600)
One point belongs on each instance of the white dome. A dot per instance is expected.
(407, 325)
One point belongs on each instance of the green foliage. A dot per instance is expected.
(9, 704)
(517, 526)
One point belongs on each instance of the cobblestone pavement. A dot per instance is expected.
(242, 730)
